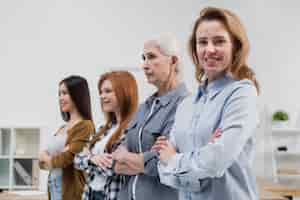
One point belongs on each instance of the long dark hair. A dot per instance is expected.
(79, 92)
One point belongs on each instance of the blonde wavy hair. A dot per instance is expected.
(239, 68)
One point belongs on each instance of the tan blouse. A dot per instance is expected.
(72, 179)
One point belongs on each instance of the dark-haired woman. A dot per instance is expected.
(119, 99)
(65, 182)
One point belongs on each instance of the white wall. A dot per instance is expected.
(43, 41)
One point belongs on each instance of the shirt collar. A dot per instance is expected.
(214, 87)
(165, 99)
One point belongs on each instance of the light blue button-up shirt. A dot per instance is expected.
(221, 169)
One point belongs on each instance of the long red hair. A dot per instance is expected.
(125, 87)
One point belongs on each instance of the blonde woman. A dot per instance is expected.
(211, 147)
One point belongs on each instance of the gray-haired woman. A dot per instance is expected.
(155, 117)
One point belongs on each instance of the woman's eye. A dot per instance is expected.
(151, 56)
(63, 93)
(107, 91)
(202, 42)
(219, 42)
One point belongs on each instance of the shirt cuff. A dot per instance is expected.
(148, 156)
(172, 165)
(173, 174)
(167, 172)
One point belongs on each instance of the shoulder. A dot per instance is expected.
(181, 90)
(83, 126)
(242, 93)
(186, 104)
(178, 94)
(142, 108)
(87, 124)
(243, 87)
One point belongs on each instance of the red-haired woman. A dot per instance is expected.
(119, 100)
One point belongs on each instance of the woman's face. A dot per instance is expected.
(65, 101)
(156, 65)
(214, 48)
(108, 97)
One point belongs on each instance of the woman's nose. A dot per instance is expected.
(102, 95)
(210, 47)
(145, 65)
(60, 97)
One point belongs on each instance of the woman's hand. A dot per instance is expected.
(164, 147)
(215, 135)
(166, 150)
(45, 160)
(103, 161)
(159, 143)
(41, 161)
(128, 163)
(120, 154)
(43, 156)
(67, 148)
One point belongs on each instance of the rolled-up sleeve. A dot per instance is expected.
(239, 118)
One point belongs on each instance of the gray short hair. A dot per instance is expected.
(169, 45)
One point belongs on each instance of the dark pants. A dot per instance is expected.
(96, 195)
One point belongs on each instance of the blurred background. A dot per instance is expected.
(41, 42)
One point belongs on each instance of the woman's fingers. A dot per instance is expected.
(216, 134)
(155, 148)
(166, 152)
(161, 138)
(165, 146)
(160, 142)
(116, 155)
(107, 160)
(121, 148)
(103, 161)
(67, 148)
(120, 154)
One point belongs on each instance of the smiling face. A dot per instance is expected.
(109, 102)
(156, 65)
(214, 48)
(65, 101)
